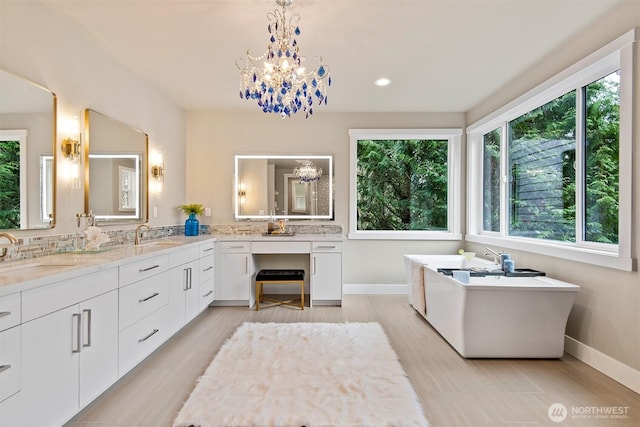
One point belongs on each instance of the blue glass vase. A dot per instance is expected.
(192, 226)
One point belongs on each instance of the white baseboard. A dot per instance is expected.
(625, 375)
(363, 289)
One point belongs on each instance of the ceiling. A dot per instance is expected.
(441, 55)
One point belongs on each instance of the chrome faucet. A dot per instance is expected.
(496, 255)
(139, 233)
(12, 239)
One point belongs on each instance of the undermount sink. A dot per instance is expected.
(33, 265)
(166, 243)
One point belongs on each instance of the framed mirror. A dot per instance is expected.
(283, 186)
(27, 133)
(116, 185)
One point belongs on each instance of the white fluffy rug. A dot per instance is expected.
(304, 374)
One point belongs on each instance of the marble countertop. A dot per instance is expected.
(18, 276)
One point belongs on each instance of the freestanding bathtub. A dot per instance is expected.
(498, 316)
(492, 316)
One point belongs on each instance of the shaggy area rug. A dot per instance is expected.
(304, 374)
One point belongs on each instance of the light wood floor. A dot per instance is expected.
(454, 391)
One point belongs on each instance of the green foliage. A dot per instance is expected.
(491, 181)
(194, 208)
(603, 153)
(402, 184)
(10, 188)
(543, 178)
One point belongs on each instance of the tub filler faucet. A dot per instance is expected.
(496, 255)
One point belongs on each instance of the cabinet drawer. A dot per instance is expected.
(280, 247)
(207, 268)
(47, 299)
(142, 298)
(9, 362)
(141, 338)
(183, 255)
(326, 246)
(11, 411)
(131, 273)
(9, 311)
(206, 294)
(207, 248)
(235, 247)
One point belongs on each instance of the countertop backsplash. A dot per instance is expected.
(38, 246)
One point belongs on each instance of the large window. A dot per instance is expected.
(541, 158)
(491, 180)
(404, 183)
(553, 164)
(602, 159)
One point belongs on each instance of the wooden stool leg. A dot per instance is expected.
(302, 295)
(259, 292)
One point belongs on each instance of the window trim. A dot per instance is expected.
(618, 54)
(454, 198)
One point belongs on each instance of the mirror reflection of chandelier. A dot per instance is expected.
(307, 172)
(278, 80)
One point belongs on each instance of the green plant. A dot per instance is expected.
(194, 208)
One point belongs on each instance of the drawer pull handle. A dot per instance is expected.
(4, 367)
(89, 327)
(142, 270)
(208, 268)
(155, 331)
(326, 247)
(234, 247)
(78, 322)
(155, 294)
(207, 250)
(207, 294)
(4, 313)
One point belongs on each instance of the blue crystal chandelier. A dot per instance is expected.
(278, 80)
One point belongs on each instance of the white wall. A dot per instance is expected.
(213, 137)
(606, 314)
(47, 49)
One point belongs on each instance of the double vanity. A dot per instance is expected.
(72, 324)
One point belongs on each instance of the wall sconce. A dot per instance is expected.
(242, 192)
(70, 149)
(71, 144)
(157, 167)
(157, 172)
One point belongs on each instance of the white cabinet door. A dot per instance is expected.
(50, 375)
(326, 278)
(69, 355)
(10, 362)
(99, 352)
(11, 411)
(191, 286)
(183, 294)
(234, 277)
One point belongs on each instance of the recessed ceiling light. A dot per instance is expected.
(382, 81)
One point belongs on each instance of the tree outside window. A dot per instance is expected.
(402, 184)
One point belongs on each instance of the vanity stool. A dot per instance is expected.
(279, 277)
